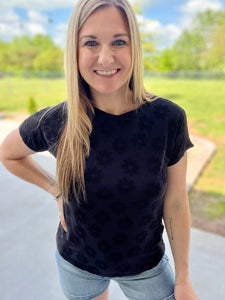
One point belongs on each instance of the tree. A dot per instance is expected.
(146, 38)
(29, 54)
(201, 47)
(49, 60)
(217, 48)
(165, 61)
(210, 25)
(42, 42)
(188, 52)
(3, 51)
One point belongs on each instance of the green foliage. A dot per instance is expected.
(49, 60)
(201, 47)
(26, 53)
(32, 106)
(166, 63)
(188, 52)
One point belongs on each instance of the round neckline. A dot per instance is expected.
(100, 111)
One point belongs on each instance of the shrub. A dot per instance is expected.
(32, 106)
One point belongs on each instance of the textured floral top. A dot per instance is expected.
(118, 231)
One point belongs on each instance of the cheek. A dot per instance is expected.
(85, 60)
(126, 58)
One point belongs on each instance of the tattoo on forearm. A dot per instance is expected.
(171, 229)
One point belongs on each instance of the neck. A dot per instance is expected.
(116, 103)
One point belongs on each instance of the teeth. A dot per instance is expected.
(106, 73)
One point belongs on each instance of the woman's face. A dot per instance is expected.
(104, 51)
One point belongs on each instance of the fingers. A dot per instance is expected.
(54, 189)
(63, 223)
(60, 207)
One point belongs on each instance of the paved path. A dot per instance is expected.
(28, 223)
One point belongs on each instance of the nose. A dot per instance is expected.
(105, 57)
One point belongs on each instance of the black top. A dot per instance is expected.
(118, 232)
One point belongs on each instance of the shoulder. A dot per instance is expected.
(170, 107)
(53, 114)
(164, 110)
(47, 122)
(42, 130)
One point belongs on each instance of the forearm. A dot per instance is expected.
(31, 171)
(177, 223)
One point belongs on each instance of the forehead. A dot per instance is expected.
(105, 20)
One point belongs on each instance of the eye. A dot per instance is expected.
(90, 43)
(119, 43)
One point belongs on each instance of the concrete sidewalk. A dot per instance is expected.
(28, 224)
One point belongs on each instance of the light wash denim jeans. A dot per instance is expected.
(154, 284)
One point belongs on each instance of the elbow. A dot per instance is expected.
(4, 155)
(176, 204)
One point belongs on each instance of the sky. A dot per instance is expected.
(165, 18)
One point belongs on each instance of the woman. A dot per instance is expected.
(121, 165)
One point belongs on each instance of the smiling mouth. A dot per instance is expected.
(107, 73)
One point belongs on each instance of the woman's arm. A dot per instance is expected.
(177, 222)
(16, 157)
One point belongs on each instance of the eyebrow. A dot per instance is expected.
(95, 37)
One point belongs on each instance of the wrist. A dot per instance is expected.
(57, 197)
(182, 280)
(182, 272)
(54, 190)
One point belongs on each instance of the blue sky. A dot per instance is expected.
(165, 18)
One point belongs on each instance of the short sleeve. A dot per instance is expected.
(179, 140)
(42, 130)
(31, 131)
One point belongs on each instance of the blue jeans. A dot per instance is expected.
(154, 284)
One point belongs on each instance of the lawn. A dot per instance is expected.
(15, 93)
(203, 100)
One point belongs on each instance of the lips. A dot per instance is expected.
(106, 73)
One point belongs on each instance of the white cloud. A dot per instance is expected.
(164, 35)
(11, 25)
(8, 16)
(167, 34)
(7, 31)
(37, 4)
(60, 35)
(35, 28)
(193, 7)
(172, 31)
(37, 17)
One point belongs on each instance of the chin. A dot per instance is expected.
(106, 91)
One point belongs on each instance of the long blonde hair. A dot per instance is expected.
(74, 144)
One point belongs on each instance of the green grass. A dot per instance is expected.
(16, 92)
(216, 210)
(203, 101)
